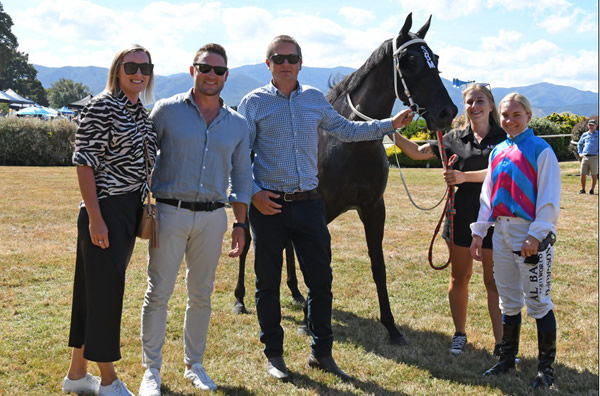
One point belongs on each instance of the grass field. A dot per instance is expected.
(38, 210)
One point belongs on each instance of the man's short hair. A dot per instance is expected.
(284, 38)
(212, 48)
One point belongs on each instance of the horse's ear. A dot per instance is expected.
(423, 31)
(407, 25)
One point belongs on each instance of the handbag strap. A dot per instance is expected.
(146, 166)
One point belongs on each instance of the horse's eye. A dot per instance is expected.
(408, 62)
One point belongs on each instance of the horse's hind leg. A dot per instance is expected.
(373, 219)
(240, 290)
(292, 280)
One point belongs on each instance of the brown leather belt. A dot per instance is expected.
(298, 196)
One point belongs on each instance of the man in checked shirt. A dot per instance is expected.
(284, 118)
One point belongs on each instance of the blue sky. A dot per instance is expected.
(507, 43)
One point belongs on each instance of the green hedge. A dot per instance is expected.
(395, 155)
(407, 162)
(560, 145)
(29, 141)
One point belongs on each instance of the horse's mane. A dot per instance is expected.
(354, 80)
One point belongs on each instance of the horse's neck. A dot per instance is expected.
(375, 96)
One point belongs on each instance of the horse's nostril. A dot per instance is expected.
(448, 113)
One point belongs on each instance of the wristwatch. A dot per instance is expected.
(241, 225)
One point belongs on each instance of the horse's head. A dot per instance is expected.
(417, 79)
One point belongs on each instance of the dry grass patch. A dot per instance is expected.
(38, 213)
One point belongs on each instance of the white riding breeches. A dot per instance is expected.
(519, 282)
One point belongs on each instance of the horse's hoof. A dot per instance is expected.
(398, 340)
(303, 330)
(239, 308)
(298, 299)
(298, 304)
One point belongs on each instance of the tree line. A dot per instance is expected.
(19, 75)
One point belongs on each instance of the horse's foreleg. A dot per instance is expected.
(373, 219)
(292, 280)
(240, 290)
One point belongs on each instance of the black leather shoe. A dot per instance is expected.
(326, 363)
(501, 367)
(277, 368)
(544, 379)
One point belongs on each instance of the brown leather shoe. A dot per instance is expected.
(326, 363)
(277, 368)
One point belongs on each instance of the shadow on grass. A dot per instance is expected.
(226, 390)
(300, 381)
(428, 350)
(303, 381)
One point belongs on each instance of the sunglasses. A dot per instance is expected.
(484, 85)
(291, 58)
(132, 68)
(204, 68)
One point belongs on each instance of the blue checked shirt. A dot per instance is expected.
(285, 138)
(196, 161)
(588, 144)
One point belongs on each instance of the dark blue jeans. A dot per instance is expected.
(302, 222)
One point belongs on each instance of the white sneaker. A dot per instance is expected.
(458, 343)
(150, 385)
(87, 384)
(199, 378)
(117, 388)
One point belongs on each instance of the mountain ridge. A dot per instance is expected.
(545, 97)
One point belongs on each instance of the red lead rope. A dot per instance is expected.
(448, 208)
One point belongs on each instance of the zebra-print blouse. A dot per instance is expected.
(109, 141)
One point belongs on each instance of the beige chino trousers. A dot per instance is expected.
(197, 237)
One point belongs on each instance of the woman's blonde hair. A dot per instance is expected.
(494, 117)
(112, 84)
(517, 97)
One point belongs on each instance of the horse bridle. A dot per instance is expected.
(414, 107)
(397, 74)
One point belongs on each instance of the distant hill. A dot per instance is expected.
(545, 98)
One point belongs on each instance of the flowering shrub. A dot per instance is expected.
(405, 160)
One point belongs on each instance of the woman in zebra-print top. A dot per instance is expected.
(110, 142)
(109, 154)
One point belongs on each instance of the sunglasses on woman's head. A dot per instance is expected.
(204, 68)
(484, 85)
(132, 68)
(291, 58)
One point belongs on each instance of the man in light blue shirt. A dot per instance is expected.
(284, 119)
(587, 147)
(203, 144)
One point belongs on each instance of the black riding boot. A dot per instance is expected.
(547, 353)
(509, 350)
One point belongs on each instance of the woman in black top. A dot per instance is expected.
(109, 154)
(472, 145)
